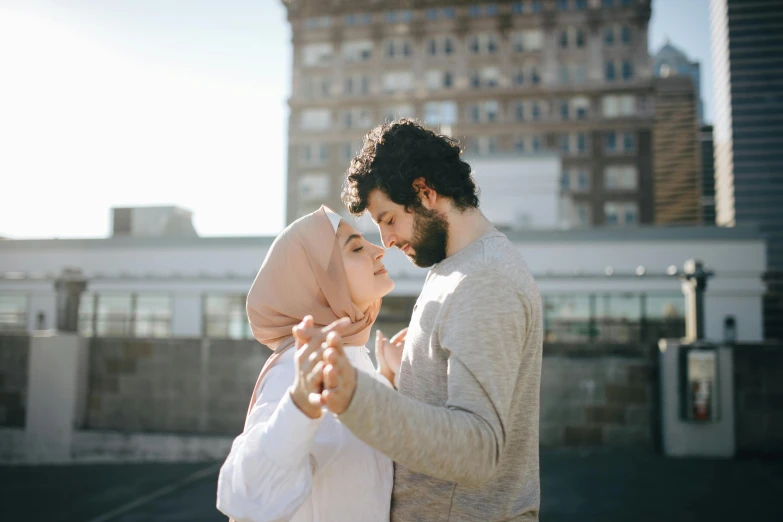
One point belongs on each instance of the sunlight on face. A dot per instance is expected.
(367, 277)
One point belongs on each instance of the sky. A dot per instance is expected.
(108, 103)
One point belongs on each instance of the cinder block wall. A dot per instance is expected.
(172, 386)
(593, 395)
(14, 357)
(758, 398)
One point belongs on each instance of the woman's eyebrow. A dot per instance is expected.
(352, 236)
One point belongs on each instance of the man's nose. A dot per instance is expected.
(389, 240)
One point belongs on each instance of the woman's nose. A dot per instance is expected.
(379, 252)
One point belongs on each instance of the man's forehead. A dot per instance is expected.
(377, 203)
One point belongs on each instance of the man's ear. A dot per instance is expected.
(426, 194)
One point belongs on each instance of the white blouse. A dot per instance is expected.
(287, 466)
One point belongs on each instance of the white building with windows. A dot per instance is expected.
(607, 285)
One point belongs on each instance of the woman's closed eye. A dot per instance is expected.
(358, 249)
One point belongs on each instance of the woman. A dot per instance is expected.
(294, 461)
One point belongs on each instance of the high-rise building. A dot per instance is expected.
(707, 176)
(676, 175)
(514, 77)
(747, 56)
(670, 61)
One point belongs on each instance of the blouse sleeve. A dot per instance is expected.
(268, 473)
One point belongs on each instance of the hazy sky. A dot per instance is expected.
(147, 102)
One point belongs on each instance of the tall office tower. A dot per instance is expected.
(670, 61)
(506, 78)
(676, 173)
(707, 176)
(747, 56)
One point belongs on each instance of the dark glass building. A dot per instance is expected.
(707, 175)
(747, 52)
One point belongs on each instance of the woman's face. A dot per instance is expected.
(368, 279)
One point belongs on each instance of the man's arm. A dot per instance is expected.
(484, 327)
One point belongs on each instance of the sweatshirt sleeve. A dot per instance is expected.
(483, 325)
(268, 473)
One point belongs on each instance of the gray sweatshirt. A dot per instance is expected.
(463, 428)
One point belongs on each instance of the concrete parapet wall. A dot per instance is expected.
(14, 360)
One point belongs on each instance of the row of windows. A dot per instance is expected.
(485, 78)
(568, 144)
(449, 13)
(525, 41)
(615, 178)
(446, 112)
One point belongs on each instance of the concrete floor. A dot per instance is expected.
(576, 485)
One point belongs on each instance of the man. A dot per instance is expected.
(463, 428)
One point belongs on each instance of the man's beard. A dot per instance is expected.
(430, 236)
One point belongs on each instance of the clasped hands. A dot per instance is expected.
(324, 374)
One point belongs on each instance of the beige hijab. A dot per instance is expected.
(303, 274)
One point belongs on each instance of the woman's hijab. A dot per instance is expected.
(303, 274)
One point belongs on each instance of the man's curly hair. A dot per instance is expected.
(395, 154)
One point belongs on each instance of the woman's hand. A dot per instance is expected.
(388, 353)
(308, 381)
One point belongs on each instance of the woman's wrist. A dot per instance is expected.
(301, 402)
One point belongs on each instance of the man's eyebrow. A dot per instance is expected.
(352, 236)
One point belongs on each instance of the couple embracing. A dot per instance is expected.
(446, 427)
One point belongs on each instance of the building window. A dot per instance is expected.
(536, 111)
(609, 36)
(398, 81)
(625, 35)
(315, 119)
(580, 73)
(580, 5)
(350, 149)
(580, 38)
(314, 153)
(519, 111)
(582, 180)
(535, 6)
(565, 143)
(564, 110)
(483, 44)
(610, 142)
(320, 22)
(396, 112)
(562, 5)
(614, 106)
(13, 313)
(440, 113)
(629, 142)
(564, 39)
(313, 186)
(519, 77)
(357, 51)
(581, 143)
(517, 8)
(225, 317)
(398, 48)
(620, 213)
(527, 41)
(358, 19)
(317, 54)
(400, 16)
(449, 13)
(610, 74)
(519, 144)
(535, 78)
(432, 14)
(617, 177)
(486, 77)
(536, 143)
(357, 84)
(482, 10)
(356, 119)
(125, 315)
(627, 70)
(608, 3)
(580, 106)
(484, 112)
(437, 79)
(483, 145)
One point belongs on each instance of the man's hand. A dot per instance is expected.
(339, 376)
(388, 353)
(309, 363)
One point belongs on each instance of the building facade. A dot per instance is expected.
(568, 76)
(676, 175)
(670, 61)
(606, 286)
(707, 175)
(747, 48)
